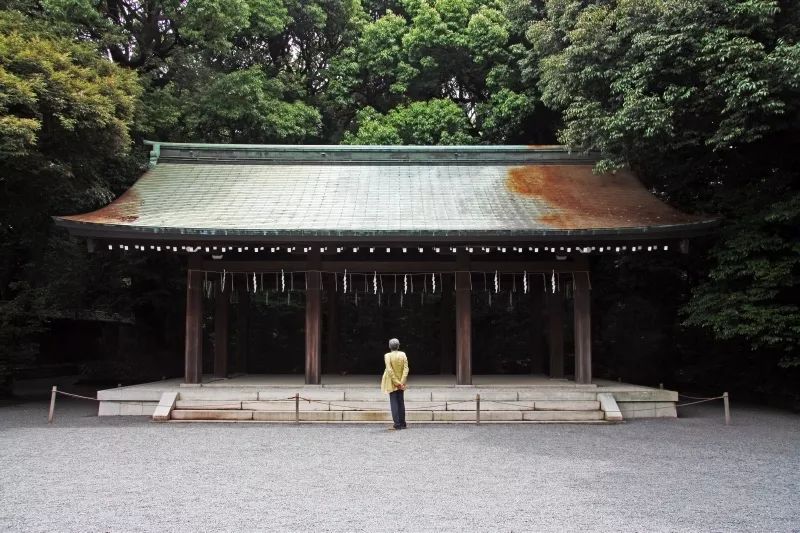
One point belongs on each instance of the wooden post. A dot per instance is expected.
(313, 318)
(194, 330)
(583, 329)
(221, 335)
(725, 403)
(53, 405)
(477, 408)
(463, 320)
(555, 333)
(296, 407)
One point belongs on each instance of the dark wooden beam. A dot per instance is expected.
(583, 329)
(476, 265)
(221, 334)
(313, 319)
(225, 237)
(194, 330)
(555, 332)
(463, 321)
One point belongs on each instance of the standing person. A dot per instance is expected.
(394, 382)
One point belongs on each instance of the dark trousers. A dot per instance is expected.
(398, 408)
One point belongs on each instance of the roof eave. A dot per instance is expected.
(466, 236)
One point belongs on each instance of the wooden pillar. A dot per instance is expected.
(555, 332)
(463, 320)
(313, 318)
(221, 335)
(194, 329)
(583, 329)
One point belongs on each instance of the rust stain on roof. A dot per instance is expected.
(578, 198)
(124, 209)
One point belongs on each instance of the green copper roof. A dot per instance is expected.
(466, 192)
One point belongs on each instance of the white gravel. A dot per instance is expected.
(129, 474)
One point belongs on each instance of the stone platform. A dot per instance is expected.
(358, 399)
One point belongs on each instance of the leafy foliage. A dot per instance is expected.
(641, 78)
(430, 122)
(752, 291)
(65, 115)
(700, 97)
(464, 51)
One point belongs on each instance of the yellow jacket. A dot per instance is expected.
(396, 371)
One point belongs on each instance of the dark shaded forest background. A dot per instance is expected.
(700, 97)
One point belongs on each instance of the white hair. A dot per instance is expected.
(394, 344)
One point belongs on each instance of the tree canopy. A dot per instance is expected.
(700, 97)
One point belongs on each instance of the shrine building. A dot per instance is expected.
(385, 224)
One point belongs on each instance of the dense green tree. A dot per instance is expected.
(702, 97)
(465, 51)
(247, 106)
(752, 291)
(430, 122)
(65, 114)
(638, 79)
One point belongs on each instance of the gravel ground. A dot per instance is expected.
(129, 474)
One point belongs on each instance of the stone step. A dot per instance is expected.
(563, 416)
(567, 405)
(282, 405)
(207, 404)
(209, 394)
(211, 414)
(383, 405)
(305, 416)
(312, 394)
(385, 416)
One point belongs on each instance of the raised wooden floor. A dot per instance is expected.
(432, 399)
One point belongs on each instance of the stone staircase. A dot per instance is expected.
(368, 405)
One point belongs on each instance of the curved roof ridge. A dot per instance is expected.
(412, 154)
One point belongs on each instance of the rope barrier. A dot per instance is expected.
(724, 398)
(77, 396)
(697, 400)
(514, 405)
(669, 406)
(428, 407)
